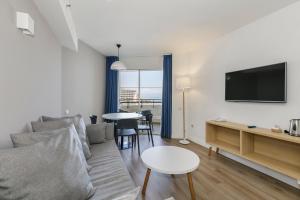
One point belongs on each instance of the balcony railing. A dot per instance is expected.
(136, 105)
(140, 102)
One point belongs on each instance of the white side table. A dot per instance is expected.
(170, 160)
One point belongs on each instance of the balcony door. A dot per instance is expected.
(141, 90)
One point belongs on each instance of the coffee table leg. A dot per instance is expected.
(146, 181)
(190, 180)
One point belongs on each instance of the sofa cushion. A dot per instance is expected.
(39, 171)
(77, 120)
(109, 131)
(109, 174)
(25, 139)
(51, 125)
(96, 133)
(130, 195)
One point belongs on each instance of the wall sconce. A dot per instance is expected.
(25, 23)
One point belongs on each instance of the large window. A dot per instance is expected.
(129, 87)
(151, 85)
(140, 90)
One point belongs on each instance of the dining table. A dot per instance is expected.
(115, 117)
(120, 116)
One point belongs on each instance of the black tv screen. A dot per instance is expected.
(261, 84)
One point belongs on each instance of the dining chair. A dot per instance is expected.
(147, 126)
(128, 128)
(144, 113)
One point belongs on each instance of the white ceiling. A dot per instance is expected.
(155, 27)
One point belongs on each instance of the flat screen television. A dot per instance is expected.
(261, 84)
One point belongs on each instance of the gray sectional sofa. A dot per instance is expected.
(96, 171)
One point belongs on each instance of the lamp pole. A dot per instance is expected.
(184, 141)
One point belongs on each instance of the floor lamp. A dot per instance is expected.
(182, 84)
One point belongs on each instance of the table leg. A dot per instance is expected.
(190, 180)
(122, 142)
(209, 151)
(146, 181)
(115, 133)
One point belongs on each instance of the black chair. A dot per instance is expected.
(147, 126)
(128, 128)
(144, 113)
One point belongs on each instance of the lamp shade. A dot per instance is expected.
(183, 83)
(117, 65)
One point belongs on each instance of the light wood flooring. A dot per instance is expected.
(217, 178)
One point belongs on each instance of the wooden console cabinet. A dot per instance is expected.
(276, 151)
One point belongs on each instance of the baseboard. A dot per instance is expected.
(200, 142)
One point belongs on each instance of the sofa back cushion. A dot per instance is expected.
(77, 120)
(49, 126)
(109, 131)
(47, 170)
(96, 133)
(25, 139)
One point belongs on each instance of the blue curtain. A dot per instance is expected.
(166, 119)
(111, 89)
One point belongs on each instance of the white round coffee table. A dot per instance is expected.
(170, 160)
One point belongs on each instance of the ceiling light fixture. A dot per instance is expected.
(118, 65)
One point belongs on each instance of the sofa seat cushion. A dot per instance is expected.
(109, 174)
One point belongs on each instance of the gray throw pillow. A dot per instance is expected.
(25, 139)
(109, 131)
(77, 120)
(96, 133)
(51, 125)
(47, 170)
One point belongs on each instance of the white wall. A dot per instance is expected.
(83, 81)
(272, 39)
(181, 63)
(30, 71)
(143, 62)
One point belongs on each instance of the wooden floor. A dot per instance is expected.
(217, 178)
